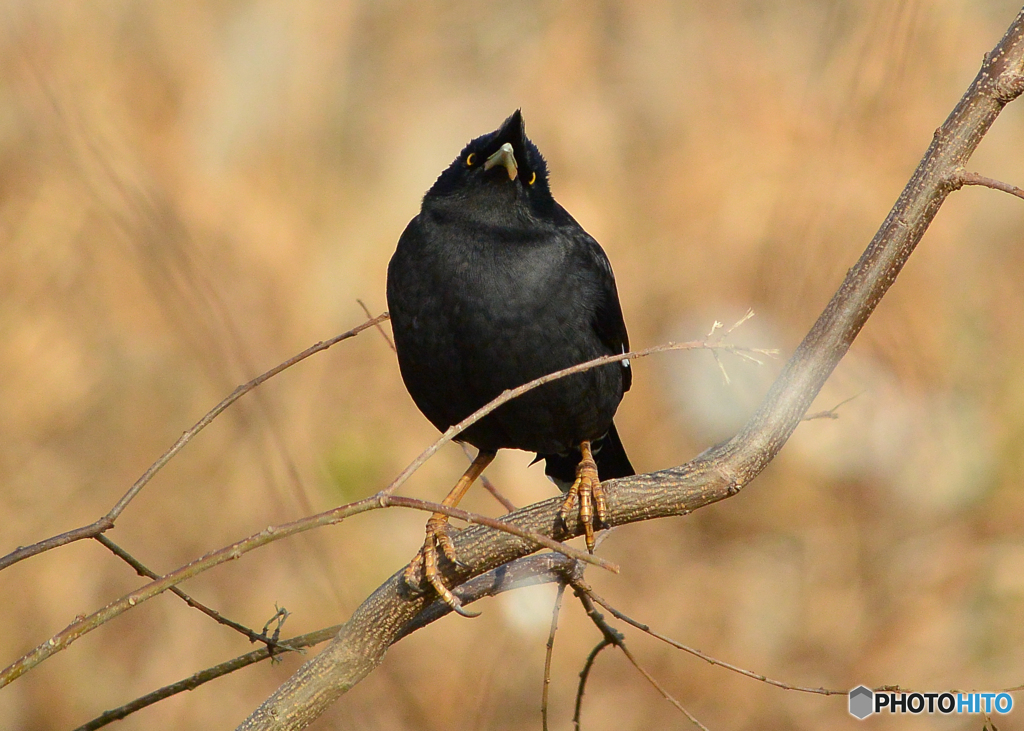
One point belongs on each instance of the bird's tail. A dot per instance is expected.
(609, 454)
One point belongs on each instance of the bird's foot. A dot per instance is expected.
(424, 565)
(587, 491)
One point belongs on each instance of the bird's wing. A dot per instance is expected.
(607, 321)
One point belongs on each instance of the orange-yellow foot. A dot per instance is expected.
(587, 491)
(424, 565)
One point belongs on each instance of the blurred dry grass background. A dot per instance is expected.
(191, 192)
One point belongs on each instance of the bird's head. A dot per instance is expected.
(502, 167)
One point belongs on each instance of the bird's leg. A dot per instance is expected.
(587, 489)
(438, 536)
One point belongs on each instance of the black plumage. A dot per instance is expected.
(494, 284)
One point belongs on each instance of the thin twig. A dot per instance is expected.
(613, 637)
(584, 675)
(141, 570)
(966, 178)
(832, 413)
(380, 329)
(280, 617)
(107, 522)
(657, 686)
(497, 494)
(231, 398)
(204, 676)
(86, 531)
(697, 653)
(547, 657)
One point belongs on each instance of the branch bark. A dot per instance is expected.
(719, 472)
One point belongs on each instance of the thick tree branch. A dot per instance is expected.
(720, 471)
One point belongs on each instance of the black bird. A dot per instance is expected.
(494, 284)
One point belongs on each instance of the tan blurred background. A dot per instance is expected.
(191, 192)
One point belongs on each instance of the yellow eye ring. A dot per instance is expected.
(469, 159)
(533, 179)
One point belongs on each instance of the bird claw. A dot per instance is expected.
(588, 492)
(424, 564)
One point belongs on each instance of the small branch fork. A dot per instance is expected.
(612, 637)
(253, 636)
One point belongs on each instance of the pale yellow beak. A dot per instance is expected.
(504, 156)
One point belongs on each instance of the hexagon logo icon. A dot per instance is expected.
(861, 702)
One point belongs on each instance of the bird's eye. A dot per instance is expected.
(533, 179)
(469, 159)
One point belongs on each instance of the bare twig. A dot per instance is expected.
(658, 687)
(280, 617)
(84, 625)
(107, 521)
(714, 341)
(966, 178)
(697, 653)
(498, 495)
(141, 570)
(204, 676)
(549, 651)
(613, 637)
(715, 327)
(380, 329)
(86, 531)
(584, 676)
(832, 413)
